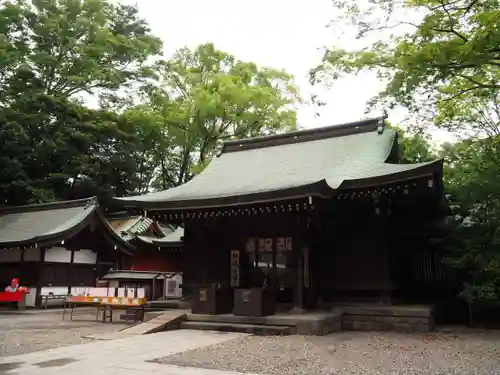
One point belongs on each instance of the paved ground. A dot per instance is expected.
(25, 333)
(467, 352)
(127, 356)
(186, 352)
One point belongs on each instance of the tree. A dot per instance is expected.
(472, 179)
(435, 65)
(206, 95)
(67, 47)
(51, 145)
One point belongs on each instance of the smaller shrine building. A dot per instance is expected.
(56, 248)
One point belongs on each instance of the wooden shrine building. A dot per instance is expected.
(156, 258)
(314, 216)
(157, 247)
(56, 247)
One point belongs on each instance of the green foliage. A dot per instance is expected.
(157, 123)
(472, 176)
(73, 46)
(51, 146)
(414, 148)
(206, 95)
(447, 64)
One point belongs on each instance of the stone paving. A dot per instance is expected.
(186, 352)
(28, 332)
(127, 356)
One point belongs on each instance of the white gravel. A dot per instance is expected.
(21, 334)
(465, 352)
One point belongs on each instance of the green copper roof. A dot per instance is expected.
(318, 159)
(50, 223)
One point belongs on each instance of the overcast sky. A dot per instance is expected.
(286, 34)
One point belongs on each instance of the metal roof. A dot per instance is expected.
(330, 158)
(39, 224)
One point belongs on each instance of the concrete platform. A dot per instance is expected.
(353, 316)
(398, 318)
(310, 323)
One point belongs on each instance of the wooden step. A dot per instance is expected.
(255, 329)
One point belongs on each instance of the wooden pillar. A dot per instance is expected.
(39, 282)
(97, 264)
(308, 252)
(298, 257)
(22, 268)
(274, 277)
(71, 267)
(386, 297)
(153, 287)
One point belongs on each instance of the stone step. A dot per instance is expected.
(163, 322)
(134, 317)
(169, 304)
(272, 320)
(255, 329)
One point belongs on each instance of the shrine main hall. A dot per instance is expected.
(308, 219)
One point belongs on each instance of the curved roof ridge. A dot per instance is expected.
(305, 135)
(49, 206)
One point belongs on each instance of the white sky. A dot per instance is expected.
(285, 34)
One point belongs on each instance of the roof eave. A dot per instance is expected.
(428, 170)
(57, 238)
(317, 189)
(52, 238)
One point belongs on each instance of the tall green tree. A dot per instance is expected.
(52, 53)
(205, 95)
(445, 55)
(472, 178)
(73, 46)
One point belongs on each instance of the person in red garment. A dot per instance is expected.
(14, 286)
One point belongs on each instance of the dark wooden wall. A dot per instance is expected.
(153, 260)
(207, 244)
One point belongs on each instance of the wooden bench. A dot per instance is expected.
(53, 297)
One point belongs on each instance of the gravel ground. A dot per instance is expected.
(27, 333)
(464, 352)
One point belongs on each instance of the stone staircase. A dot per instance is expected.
(254, 329)
(281, 324)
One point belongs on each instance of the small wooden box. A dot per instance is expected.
(254, 302)
(207, 299)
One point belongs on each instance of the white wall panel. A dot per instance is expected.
(85, 256)
(57, 254)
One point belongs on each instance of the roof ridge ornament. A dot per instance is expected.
(91, 202)
(381, 123)
(219, 147)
